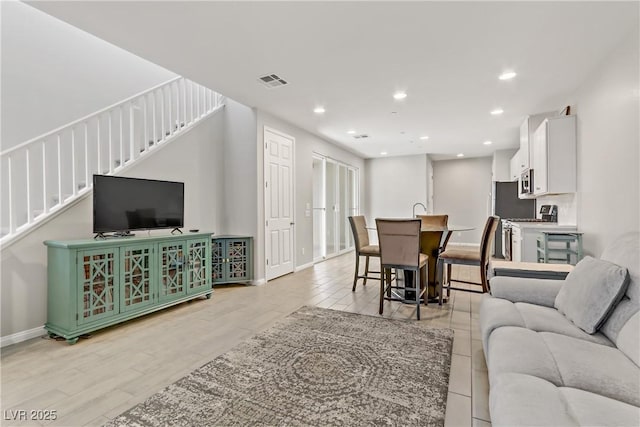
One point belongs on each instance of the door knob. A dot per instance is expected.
(292, 223)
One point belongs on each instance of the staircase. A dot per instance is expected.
(47, 174)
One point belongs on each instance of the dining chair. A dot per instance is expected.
(363, 248)
(473, 257)
(430, 245)
(399, 241)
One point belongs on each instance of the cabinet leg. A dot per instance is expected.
(208, 296)
(72, 341)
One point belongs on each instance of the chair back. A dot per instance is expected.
(399, 241)
(359, 230)
(487, 239)
(433, 219)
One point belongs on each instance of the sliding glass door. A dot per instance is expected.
(335, 198)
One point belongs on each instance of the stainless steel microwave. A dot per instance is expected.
(526, 182)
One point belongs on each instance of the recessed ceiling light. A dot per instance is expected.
(383, 153)
(497, 111)
(507, 75)
(487, 143)
(399, 95)
(424, 137)
(460, 155)
(401, 132)
(351, 132)
(318, 110)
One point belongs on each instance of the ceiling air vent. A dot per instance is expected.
(272, 80)
(361, 136)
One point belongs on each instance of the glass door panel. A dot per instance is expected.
(332, 225)
(342, 212)
(319, 210)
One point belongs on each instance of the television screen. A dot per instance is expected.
(123, 204)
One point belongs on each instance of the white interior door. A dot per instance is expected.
(278, 196)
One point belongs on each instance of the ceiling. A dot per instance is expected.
(350, 58)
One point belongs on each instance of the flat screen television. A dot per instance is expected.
(123, 204)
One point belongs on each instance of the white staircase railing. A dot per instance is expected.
(46, 173)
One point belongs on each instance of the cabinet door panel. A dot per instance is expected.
(217, 261)
(97, 293)
(136, 265)
(238, 256)
(172, 283)
(198, 272)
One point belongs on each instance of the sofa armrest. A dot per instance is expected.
(534, 291)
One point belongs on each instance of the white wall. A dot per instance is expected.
(462, 190)
(607, 106)
(394, 185)
(54, 73)
(305, 145)
(240, 170)
(192, 159)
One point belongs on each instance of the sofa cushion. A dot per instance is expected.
(624, 251)
(591, 291)
(521, 351)
(627, 340)
(517, 400)
(498, 312)
(595, 368)
(564, 361)
(544, 319)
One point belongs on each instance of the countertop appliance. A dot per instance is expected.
(506, 204)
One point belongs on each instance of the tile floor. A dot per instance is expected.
(100, 377)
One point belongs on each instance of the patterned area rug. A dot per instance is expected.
(316, 367)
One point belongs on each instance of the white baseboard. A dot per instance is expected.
(259, 282)
(22, 336)
(303, 267)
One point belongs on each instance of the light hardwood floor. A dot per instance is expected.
(100, 377)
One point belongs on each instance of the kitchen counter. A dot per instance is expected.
(524, 237)
(543, 226)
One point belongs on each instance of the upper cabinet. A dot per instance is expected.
(554, 156)
(514, 167)
(500, 168)
(527, 130)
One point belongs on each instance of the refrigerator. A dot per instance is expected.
(506, 204)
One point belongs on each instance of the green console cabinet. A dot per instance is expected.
(97, 283)
(231, 259)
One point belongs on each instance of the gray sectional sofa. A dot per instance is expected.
(544, 366)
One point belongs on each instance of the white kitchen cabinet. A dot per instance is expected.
(516, 244)
(554, 156)
(514, 167)
(500, 167)
(527, 129)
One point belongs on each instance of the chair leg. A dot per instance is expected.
(383, 279)
(355, 277)
(366, 270)
(448, 280)
(417, 288)
(483, 279)
(439, 275)
(426, 290)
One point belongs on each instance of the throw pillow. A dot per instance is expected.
(590, 292)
